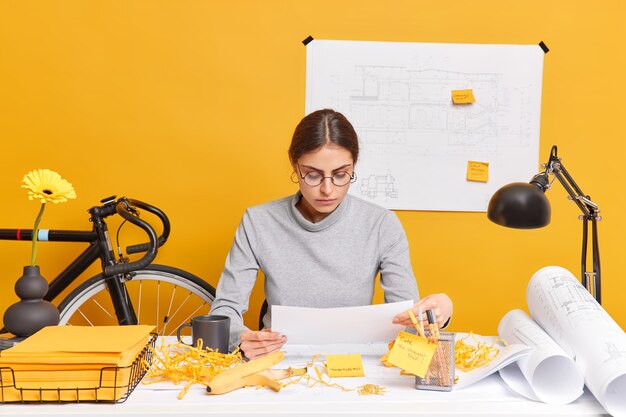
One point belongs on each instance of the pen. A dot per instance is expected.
(441, 364)
(434, 339)
(432, 325)
(417, 324)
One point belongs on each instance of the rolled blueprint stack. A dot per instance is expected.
(589, 342)
(548, 374)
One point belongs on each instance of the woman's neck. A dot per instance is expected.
(309, 212)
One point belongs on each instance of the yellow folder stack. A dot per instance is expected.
(72, 363)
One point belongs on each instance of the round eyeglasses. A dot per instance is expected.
(339, 178)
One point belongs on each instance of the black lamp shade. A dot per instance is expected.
(519, 205)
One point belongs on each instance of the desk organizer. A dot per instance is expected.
(114, 384)
(440, 374)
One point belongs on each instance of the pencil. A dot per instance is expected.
(419, 311)
(418, 325)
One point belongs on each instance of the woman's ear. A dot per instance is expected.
(295, 173)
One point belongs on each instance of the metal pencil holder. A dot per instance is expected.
(440, 373)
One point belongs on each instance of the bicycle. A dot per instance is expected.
(170, 296)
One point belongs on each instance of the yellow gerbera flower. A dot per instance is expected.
(47, 186)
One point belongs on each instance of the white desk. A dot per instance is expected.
(487, 397)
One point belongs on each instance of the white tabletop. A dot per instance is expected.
(487, 397)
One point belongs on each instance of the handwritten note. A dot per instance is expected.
(339, 366)
(412, 353)
(477, 171)
(463, 96)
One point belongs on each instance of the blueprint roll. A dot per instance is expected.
(548, 374)
(575, 320)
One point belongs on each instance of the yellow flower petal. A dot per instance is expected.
(47, 186)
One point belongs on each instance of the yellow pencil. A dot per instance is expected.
(417, 324)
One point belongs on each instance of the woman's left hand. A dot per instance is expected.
(440, 304)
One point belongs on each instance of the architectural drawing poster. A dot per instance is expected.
(417, 147)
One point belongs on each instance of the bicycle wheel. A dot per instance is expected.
(162, 296)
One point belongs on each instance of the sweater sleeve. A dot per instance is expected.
(396, 273)
(237, 280)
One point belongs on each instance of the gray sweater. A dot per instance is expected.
(331, 263)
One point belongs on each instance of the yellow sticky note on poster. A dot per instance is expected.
(412, 353)
(463, 96)
(339, 366)
(477, 171)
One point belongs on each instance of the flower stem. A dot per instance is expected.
(35, 230)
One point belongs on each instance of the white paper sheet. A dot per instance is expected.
(371, 349)
(573, 318)
(507, 354)
(548, 374)
(353, 325)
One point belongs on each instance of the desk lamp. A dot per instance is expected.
(524, 206)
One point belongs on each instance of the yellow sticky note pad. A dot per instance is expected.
(412, 353)
(477, 171)
(463, 96)
(339, 366)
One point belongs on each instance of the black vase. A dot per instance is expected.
(26, 317)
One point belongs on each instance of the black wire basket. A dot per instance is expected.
(115, 384)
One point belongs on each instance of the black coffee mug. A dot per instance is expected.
(214, 331)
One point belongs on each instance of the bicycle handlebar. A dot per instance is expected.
(122, 207)
(144, 247)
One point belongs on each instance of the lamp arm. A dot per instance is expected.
(595, 260)
(591, 280)
(565, 180)
(590, 210)
(584, 203)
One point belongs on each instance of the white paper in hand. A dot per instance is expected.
(318, 326)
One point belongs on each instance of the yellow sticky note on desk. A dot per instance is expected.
(339, 366)
(463, 96)
(477, 171)
(412, 353)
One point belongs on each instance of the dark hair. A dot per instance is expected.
(320, 128)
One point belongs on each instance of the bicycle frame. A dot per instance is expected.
(100, 248)
(76, 268)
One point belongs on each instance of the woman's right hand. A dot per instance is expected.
(255, 344)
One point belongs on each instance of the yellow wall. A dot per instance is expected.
(190, 105)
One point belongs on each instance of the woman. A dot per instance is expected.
(321, 247)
